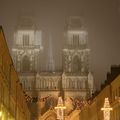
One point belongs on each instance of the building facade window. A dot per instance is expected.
(1, 60)
(75, 64)
(25, 64)
(82, 40)
(76, 40)
(119, 91)
(25, 40)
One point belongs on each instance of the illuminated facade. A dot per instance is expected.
(106, 109)
(26, 52)
(77, 75)
(73, 81)
(13, 104)
(60, 109)
(111, 91)
(91, 110)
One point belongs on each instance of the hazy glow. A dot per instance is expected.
(101, 19)
(0, 113)
(60, 109)
(106, 109)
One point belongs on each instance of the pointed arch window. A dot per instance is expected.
(25, 40)
(76, 64)
(26, 64)
(75, 39)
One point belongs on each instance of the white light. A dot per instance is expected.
(60, 109)
(81, 32)
(106, 109)
(0, 113)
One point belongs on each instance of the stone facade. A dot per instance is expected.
(111, 90)
(13, 104)
(73, 81)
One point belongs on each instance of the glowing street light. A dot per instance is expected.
(0, 113)
(60, 109)
(106, 109)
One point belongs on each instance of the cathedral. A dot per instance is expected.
(73, 81)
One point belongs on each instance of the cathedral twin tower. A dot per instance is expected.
(75, 78)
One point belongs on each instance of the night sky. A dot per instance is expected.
(101, 20)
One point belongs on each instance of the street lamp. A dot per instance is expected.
(0, 115)
(60, 109)
(106, 109)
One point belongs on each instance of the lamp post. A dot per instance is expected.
(106, 109)
(60, 109)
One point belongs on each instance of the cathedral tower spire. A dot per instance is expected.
(76, 54)
(26, 50)
(76, 59)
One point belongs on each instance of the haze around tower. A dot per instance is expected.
(101, 19)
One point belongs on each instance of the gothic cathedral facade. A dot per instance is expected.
(74, 80)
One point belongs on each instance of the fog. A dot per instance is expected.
(101, 20)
